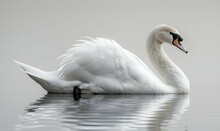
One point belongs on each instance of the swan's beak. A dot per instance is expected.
(177, 43)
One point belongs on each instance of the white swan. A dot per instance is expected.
(103, 66)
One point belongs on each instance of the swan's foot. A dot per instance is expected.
(76, 93)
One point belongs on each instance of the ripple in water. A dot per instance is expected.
(103, 112)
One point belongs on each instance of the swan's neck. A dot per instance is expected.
(162, 65)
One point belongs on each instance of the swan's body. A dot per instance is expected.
(103, 66)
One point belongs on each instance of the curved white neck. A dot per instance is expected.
(163, 66)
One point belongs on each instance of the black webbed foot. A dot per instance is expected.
(76, 93)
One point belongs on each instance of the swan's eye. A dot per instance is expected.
(176, 36)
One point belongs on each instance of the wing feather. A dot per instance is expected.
(90, 56)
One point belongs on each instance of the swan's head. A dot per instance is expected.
(168, 34)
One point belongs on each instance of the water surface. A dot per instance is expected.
(34, 111)
(104, 112)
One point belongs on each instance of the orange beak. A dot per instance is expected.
(177, 43)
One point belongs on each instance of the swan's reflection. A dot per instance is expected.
(104, 112)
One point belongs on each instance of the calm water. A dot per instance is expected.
(104, 112)
(56, 112)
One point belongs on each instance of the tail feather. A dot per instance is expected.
(31, 70)
(43, 78)
(48, 80)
